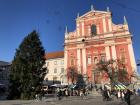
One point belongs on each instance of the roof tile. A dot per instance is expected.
(53, 55)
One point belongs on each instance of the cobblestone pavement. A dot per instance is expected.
(73, 100)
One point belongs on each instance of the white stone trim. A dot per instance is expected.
(113, 52)
(83, 31)
(98, 29)
(132, 57)
(118, 43)
(84, 60)
(96, 38)
(104, 25)
(107, 51)
(92, 18)
(100, 12)
(89, 30)
(110, 24)
(78, 31)
(65, 59)
(79, 59)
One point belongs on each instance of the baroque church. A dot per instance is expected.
(97, 38)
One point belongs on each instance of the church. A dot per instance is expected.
(97, 38)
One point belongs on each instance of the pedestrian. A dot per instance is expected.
(127, 96)
(108, 92)
(118, 94)
(134, 92)
(138, 91)
(84, 91)
(91, 86)
(66, 92)
(122, 94)
(105, 95)
(95, 87)
(59, 93)
(81, 92)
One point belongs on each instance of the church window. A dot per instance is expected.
(95, 60)
(89, 60)
(62, 62)
(62, 70)
(93, 30)
(103, 58)
(55, 70)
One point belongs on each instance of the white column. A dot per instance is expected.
(65, 59)
(132, 57)
(84, 60)
(113, 52)
(83, 31)
(104, 25)
(89, 30)
(79, 60)
(98, 30)
(78, 32)
(65, 64)
(110, 24)
(107, 51)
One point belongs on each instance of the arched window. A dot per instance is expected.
(93, 30)
(95, 60)
(103, 58)
(89, 60)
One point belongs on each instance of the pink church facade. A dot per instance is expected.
(96, 38)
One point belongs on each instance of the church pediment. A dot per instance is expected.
(93, 14)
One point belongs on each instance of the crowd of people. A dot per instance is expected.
(123, 95)
(107, 94)
(61, 92)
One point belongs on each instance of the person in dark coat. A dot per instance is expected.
(105, 95)
(59, 94)
(127, 96)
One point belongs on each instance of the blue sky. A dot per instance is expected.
(49, 18)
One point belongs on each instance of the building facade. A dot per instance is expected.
(4, 76)
(96, 38)
(55, 68)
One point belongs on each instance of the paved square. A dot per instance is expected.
(89, 100)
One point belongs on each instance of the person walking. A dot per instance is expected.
(59, 94)
(105, 95)
(66, 92)
(127, 96)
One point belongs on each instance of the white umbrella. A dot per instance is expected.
(56, 85)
